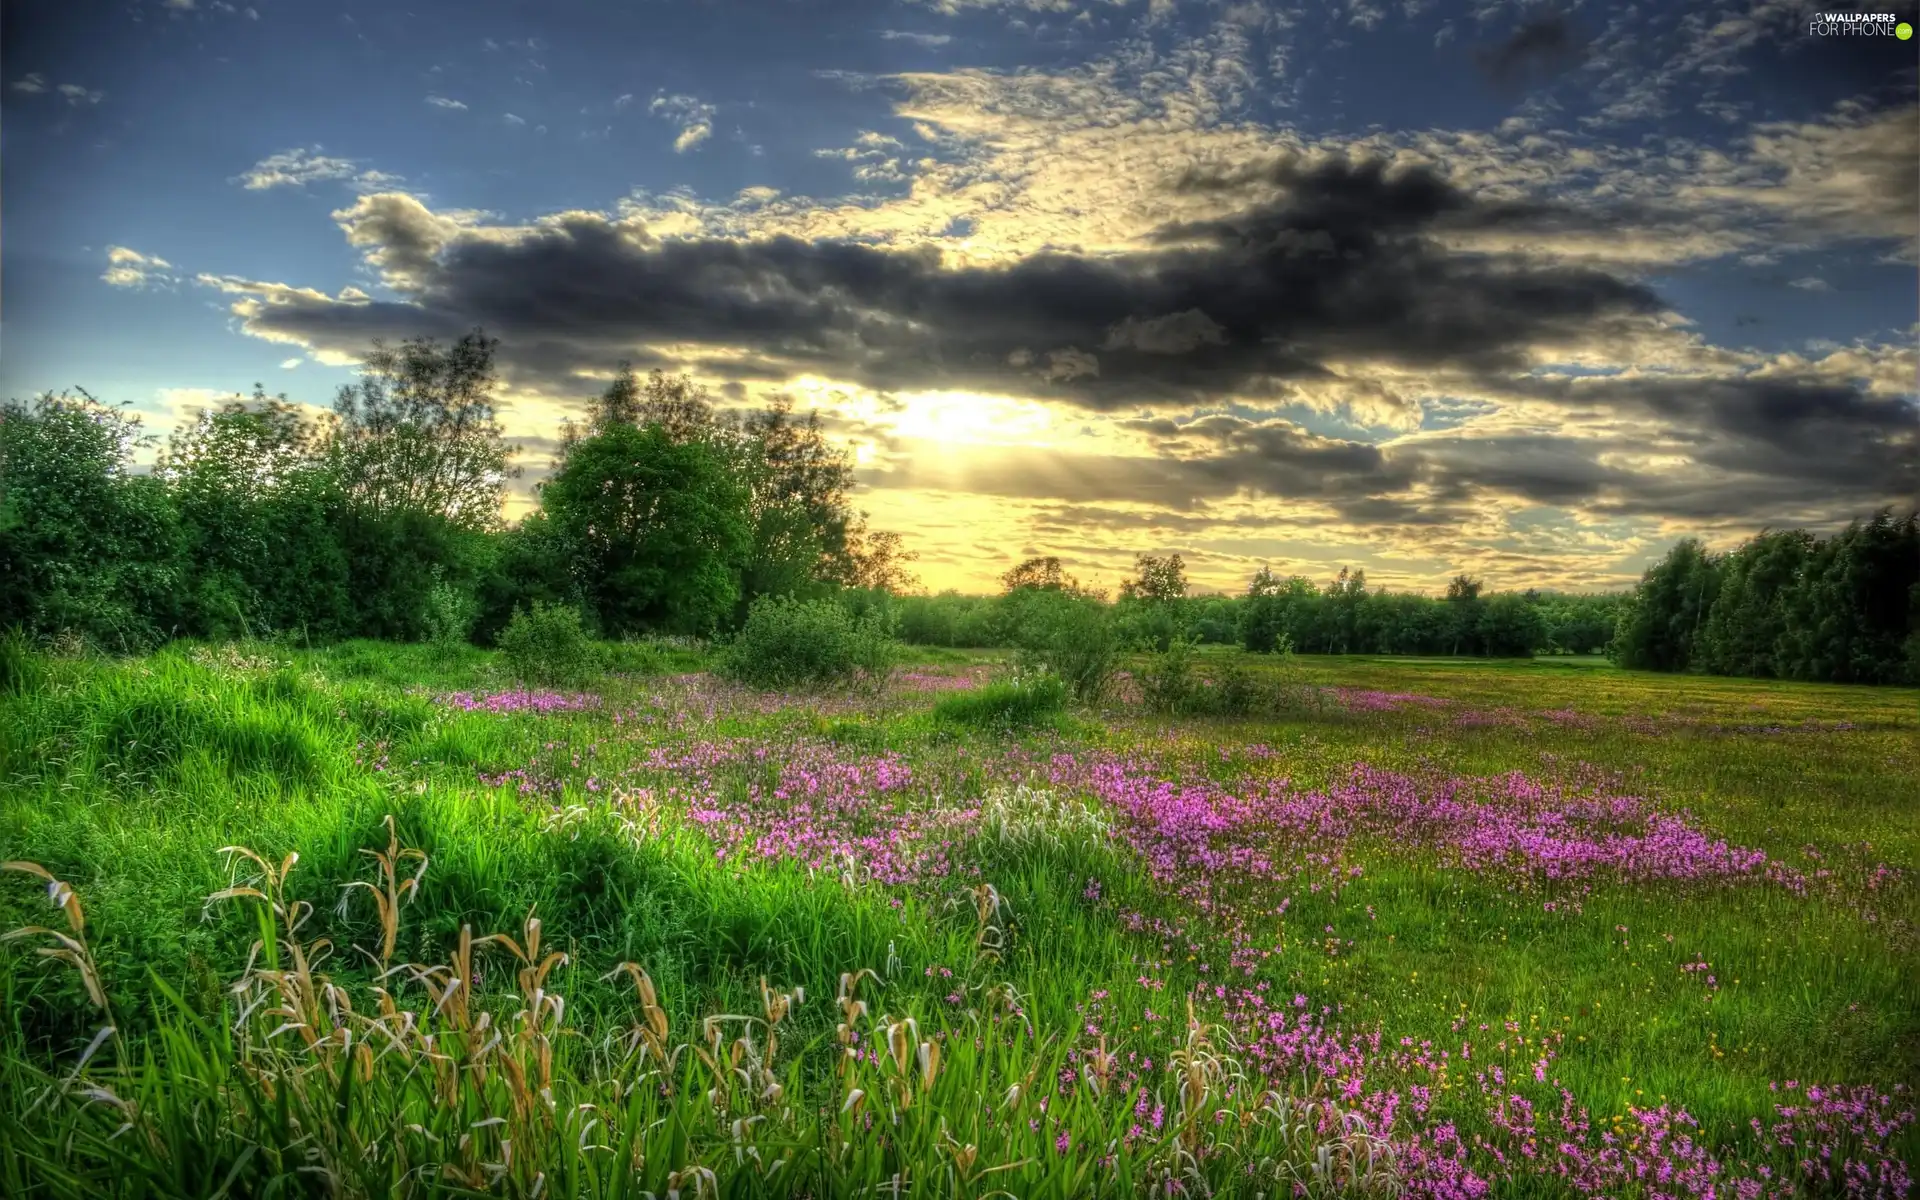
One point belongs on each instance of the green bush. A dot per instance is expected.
(1167, 685)
(1020, 702)
(1073, 637)
(548, 645)
(788, 643)
(448, 616)
(1175, 682)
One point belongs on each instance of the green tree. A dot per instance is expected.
(257, 508)
(532, 565)
(1658, 626)
(1159, 579)
(656, 528)
(1039, 574)
(86, 546)
(1153, 604)
(1748, 619)
(1511, 627)
(1262, 616)
(1847, 617)
(418, 433)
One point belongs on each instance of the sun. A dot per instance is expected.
(973, 419)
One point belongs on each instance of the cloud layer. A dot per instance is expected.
(1128, 303)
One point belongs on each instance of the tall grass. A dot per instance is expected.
(353, 941)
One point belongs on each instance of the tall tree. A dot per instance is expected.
(1659, 625)
(257, 509)
(1158, 578)
(654, 526)
(1743, 630)
(418, 432)
(1039, 574)
(1463, 600)
(86, 546)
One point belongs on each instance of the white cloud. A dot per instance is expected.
(298, 167)
(32, 83)
(294, 168)
(291, 363)
(694, 118)
(514, 120)
(128, 268)
(443, 102)
(919, 39)
(1811, 283)
(181, 5)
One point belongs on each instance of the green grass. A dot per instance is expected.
(125, 778)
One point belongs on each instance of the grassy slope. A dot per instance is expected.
(125, 779)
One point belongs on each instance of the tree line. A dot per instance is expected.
(382, 518)
(1342, 616)
(1785, 605)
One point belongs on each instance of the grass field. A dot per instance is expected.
(1456, 929)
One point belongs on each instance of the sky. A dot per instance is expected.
(1527, 290)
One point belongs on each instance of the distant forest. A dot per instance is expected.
(383, 519)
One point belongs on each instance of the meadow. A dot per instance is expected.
(371, 920)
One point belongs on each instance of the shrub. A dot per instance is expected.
(1074, 638)
(548, 645)
(1168, 685)
(447, 618)
(1019, 702)
(1172, 683)
(789, 643)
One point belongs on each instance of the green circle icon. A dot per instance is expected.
(1903, 31)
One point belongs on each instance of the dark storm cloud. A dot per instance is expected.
(1340, 261)
(1534, 53)
(1761, 450)
(1815, 433)
(1327, 263)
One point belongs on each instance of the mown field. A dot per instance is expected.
(1451, 929)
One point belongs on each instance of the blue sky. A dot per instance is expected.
(1525, 289)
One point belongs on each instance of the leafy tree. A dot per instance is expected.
(1744, 628)
(655, 526)
(1163, 580)
(1345, 597)
(86, 546)
(1039, 574)
(1463, 609)
(1070, 634)
(1847, 618)
(1580, 624)
(418, 434)
(877, 560)
(256, 506)
(1262, 618)
(532, 564)
(1153, 603)
(1658, 627)
(1277, 610)
(1511, 627)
